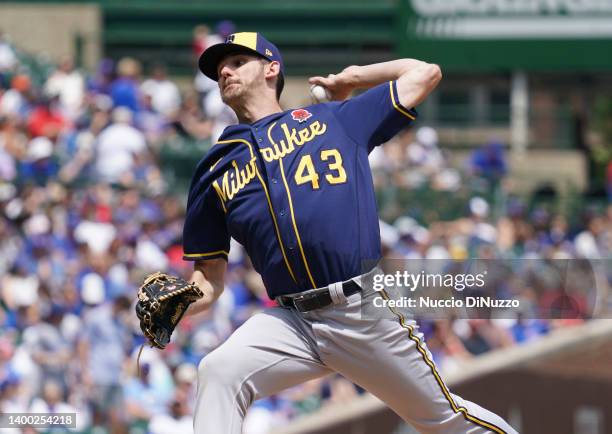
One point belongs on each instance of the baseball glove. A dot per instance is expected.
(162, 302)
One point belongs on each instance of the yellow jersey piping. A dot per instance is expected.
(398, 107)
(202, 255)
(263, 184)
(297, 233)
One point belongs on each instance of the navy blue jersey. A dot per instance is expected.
(295, 189)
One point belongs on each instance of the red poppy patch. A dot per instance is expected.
(301, 115)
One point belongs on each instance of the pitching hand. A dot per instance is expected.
(338, 85)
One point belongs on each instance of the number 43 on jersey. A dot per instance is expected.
(306, 171)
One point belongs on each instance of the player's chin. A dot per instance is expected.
(227, 100)
(231, 94)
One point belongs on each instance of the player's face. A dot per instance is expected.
(239, 76)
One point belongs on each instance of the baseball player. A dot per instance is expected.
(295, 189)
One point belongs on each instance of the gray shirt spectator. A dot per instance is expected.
(105, 342)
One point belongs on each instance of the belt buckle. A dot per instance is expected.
(301, 298)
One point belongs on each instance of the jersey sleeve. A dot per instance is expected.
(205, 234)
(374, 116)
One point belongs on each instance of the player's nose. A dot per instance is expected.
(225, 71)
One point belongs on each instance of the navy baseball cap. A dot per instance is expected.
(238, 43)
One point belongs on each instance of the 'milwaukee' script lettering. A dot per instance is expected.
(235, 179)
(293, 138)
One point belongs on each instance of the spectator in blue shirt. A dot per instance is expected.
(125, 90)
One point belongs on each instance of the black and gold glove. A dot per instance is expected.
(162, 302)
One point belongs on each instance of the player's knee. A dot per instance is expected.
(216, 368)
(209, 368)
(219, 373)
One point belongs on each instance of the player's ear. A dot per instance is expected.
(272, 69)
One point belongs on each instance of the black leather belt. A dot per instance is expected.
(316, 299)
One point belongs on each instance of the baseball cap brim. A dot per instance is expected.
(210, 59)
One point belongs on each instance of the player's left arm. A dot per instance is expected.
(209, 276)
(415, 79)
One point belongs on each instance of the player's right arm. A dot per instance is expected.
(209, 276)
(415, 79)
(395, 88)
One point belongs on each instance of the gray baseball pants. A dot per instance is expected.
(280, 347)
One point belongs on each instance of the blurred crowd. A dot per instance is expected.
(558, 267)
(86, 213)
